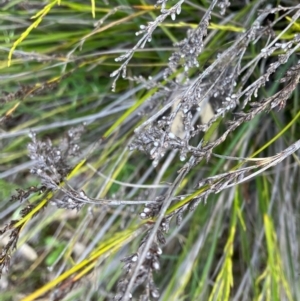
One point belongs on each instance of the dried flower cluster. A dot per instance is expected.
(51, 166)
(51, 163)
(145, 275)
(226, 83)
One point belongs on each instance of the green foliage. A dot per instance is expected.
(221, 238)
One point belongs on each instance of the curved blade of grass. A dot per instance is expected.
(224, 281)
(114, 243)
(39, 17)
(128, 113)
(93, 8)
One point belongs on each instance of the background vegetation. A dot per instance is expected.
(90, 209)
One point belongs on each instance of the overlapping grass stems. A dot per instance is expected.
(213, 215)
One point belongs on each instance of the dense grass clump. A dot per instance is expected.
(150, 151)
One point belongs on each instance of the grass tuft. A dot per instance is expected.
(149, 151)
